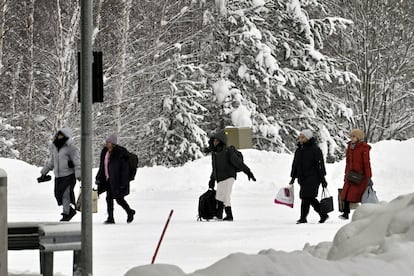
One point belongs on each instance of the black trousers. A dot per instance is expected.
(110, 203)
(61, 184)
(305, 206)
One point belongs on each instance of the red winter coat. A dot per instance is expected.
(357, 159)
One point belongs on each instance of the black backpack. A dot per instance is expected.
(207, 205)
(133, 165)
(238, 154)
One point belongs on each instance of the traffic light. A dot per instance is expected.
(97, 78)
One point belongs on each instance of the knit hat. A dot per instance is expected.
(358, 134)
(307, 133)
(112, 139)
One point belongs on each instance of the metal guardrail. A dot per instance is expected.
(46, 237)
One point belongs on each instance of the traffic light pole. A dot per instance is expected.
(86, 136)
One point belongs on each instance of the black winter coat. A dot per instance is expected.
(309, 168)
(225, 161)
(118, 173)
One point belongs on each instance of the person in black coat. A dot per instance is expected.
(225, 164)
(309, 168)
(113, 178)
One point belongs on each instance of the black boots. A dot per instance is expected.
(131, 214)
(344, 216)
(68, 217)
(220, 207)
(109, 220)
(229, 214)
(324, 217)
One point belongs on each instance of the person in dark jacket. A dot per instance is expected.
(358, 160)
(225, 162)
(65, 163)
(309, 168)
(113, 178)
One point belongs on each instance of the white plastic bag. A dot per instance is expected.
(285, 196)
(369, 196)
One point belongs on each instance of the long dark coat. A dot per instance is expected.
(118, 173)
(225, 161)
(309, 168)
(357, 159)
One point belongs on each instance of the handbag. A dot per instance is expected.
(78, 205)
(326, 202)
(285, 196)
(355, 177)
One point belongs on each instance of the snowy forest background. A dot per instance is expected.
(177, 70)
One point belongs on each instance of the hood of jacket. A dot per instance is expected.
(221, 136)
(65, 131)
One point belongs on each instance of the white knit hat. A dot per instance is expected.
(307, 133)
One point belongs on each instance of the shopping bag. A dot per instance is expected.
(285, 196)
(340, 201)
(369, 196)
(326, 202)
(78, 205)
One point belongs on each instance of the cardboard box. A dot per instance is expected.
(239, 137)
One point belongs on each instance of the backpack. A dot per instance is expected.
(238, 154)
(133, 165)
(207, 205)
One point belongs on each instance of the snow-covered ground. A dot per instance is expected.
(263, 239)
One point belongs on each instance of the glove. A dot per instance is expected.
(211, 184)
(251, 176)
(292, 181)
(324, 183)
(44, 178)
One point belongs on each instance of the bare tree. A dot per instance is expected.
(380, 50)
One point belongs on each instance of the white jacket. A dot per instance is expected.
(58, 161)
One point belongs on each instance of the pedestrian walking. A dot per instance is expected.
(308, 168)
(113, 177)
(357, 171)
(226, 161)
(65, 163)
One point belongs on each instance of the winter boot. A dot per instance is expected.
(300, 221)
(220, 207)
(131, 214)
(109, 220)
(324, 217)
(229, 214)
(344, 216)
(72, 212)
(64, 217)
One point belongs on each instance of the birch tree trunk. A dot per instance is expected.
(26, 154)
(3, 8)
(122, 59)
(65, 55)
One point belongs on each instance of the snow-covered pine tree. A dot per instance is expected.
(272, 53)
(175, 135)
(8, 133)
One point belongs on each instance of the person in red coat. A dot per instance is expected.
(357, 160)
